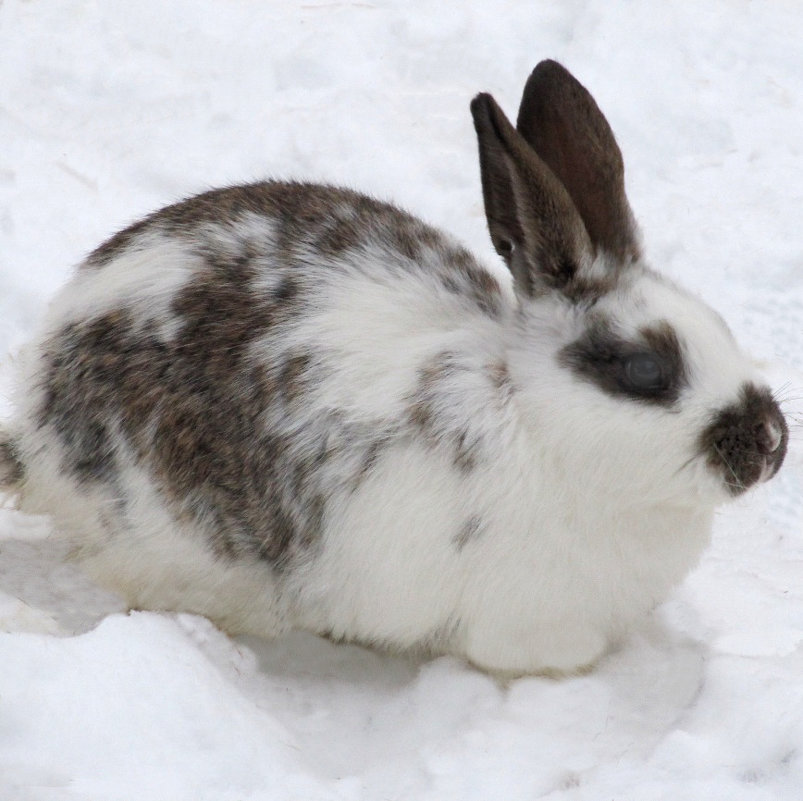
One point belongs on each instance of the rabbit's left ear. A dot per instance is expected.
(562, 123)
(532, 220)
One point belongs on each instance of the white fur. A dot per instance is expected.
(145, 277)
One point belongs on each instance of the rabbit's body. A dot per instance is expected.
(291, 406)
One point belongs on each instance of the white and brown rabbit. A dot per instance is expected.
(284, 405)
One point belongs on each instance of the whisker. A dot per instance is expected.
(779, 394)
(739, 482)
(781, 390)
(685, 465)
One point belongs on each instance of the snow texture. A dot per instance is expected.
(110, 110)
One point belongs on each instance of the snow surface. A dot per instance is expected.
(109, 110)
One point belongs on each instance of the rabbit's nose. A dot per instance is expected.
(746, 441)
(773, 436)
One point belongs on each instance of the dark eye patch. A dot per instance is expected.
(649, 369)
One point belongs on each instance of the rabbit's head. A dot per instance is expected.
(634, 385)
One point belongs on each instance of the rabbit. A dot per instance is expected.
(291, 406)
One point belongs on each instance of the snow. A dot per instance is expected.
(109, 110)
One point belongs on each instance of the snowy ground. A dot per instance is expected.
(108, 110)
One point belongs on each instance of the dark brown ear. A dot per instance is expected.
(533, 223)
(562, 123)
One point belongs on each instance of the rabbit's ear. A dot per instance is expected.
(533, 222)
(563, 124)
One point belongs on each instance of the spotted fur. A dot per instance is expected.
(285, 405)
(11, 469)
(469, 531)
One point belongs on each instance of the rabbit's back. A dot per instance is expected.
(245, 358)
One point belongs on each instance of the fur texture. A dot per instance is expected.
(286, 405)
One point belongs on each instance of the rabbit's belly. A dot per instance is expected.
(389, 569)
(420, 555)
(425, 558)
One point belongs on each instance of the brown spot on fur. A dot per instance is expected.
(469, 531)
(11, 469)
(465, 457)
(190, 410)
(583, 289)
(471, 279)
(286, 291)
(342, 235)
(431, 411)
(406, 242)
(292, 376)
(500, 376)
(420, 413)
(487, 292)
(74, 399)
(371, 456)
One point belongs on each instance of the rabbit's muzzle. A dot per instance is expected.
(746, 441)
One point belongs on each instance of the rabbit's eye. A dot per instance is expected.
(644, 371)
(505, 247)
(649, 369)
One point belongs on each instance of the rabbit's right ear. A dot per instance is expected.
(533, 222)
